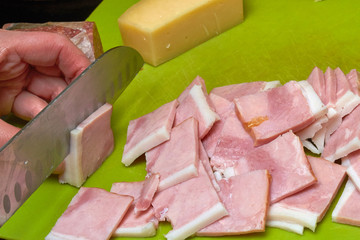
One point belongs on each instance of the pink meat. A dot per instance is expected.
(230, 92)
(188, 217)
(93, 213)
(134, 220)
(195, 102)
(246, 199)
(347, 210)
(147, 193)
(352, 163)
(342, 83)
(268, 114)
(345, 139)
(353, 77)
(285, 160)
(197, 81)
(315, 200)
(204, 159)
(148, 131)
(233, 143)
(223, 108)
(177, 159)
(317, 81)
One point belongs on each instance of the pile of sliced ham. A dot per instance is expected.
(232, 161)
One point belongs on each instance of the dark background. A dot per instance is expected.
(39, 11)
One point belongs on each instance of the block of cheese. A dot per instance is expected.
(163, 29)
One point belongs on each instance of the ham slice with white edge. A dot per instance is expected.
(195, 102)
(286, 162)
(148, 131)
(347, 210)
(307, 208)
(176, 160)
(189, 206)
(93, 213)
(271, 113)
(246, 198)
(91, 142)
(352, 164)
(138, 223)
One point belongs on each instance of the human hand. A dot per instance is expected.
(34, 68)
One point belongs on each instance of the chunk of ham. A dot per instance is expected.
(246, 198)
(307, 208)
(352, 164)
(189, 206)
(93, 213)
(345, 139)
(148, 131)
(347, 209)
(91, 142)
(176, 160)
(138, 222)
(287, 226)
(353, 77)
(195, 102)
(271, 113)
(286, 162)
(230, 92)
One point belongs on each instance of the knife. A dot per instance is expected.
(41, 145)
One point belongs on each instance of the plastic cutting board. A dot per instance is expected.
(279, 40)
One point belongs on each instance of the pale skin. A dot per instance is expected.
(34, 68)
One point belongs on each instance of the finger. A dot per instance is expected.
(46, 87)
(7, 131)
(27, 105)
(51, 50)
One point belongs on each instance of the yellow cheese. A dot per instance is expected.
(163, 29)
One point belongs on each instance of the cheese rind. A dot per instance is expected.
(163, 29)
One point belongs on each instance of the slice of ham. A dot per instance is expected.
(352, 164)
(353, 77)
(268, 114)
(306, 208)
(195, 102)
(189, 216)
(176, 160)
(93, 213)
(204, 159)
(230, 92)
(287, 163)
(246, 199)
(345, 139)
(148, 131)
(347, 210)
(91, 142)
(138, 223)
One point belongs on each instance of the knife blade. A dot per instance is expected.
(41, 145)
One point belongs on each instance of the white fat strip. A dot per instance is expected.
(272, 84)
(288, 226)
(209, 116)
(150, 141)
(310, 131)
(354, 176)
(299, 216)
(218, 175)
(229, 172)
(147, 230)
(347, 103)
(178, 177)
(214, 213)
(310, 146)
(352, 146)
(346, 194)
(319, 139)
(59, 236)
(317, 108)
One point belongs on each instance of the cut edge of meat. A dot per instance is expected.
(311, 130)
(162, 134)
(214, 213)
(352, 146)
(347, 103)
(178, 177)
(299, 216)
(346, 194)
(310, 146)
(272, 84)
(147, 230)
(287, 226)
(208, 115)
(316, 106)
(353, 175)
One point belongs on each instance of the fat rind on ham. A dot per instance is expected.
(92, 214)
(352, 164)
(290, 227)
(148, 131)
(91, 142)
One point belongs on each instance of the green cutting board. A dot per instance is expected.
(278, 40)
